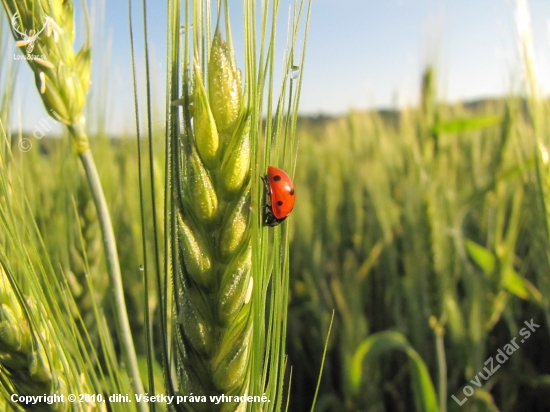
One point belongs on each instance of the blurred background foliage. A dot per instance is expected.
(429, 222)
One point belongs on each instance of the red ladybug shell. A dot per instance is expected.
(281, 191)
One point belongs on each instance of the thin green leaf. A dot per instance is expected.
(483, 257)
(379, 343)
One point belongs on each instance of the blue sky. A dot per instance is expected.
(360, 54)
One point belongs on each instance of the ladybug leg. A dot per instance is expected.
(266, 189)
(266, 186)
(268, 214)
(269, 217)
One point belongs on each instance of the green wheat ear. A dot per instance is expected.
(213, 267)
(63, 76)
(32, 359)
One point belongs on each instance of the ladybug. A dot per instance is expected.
(280, 188)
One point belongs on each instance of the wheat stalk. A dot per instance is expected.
(62, 78)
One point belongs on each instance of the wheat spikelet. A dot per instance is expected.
(213, 280)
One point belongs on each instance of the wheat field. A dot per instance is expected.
(412, 274)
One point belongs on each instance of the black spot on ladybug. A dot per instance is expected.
(280, 203)
(276, 178)
(291, 191)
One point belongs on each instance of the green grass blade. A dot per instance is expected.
(377, 344)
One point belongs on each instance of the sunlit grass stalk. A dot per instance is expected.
(62, 79)
(161, 293)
